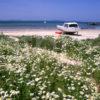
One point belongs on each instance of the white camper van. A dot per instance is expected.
(71, 27)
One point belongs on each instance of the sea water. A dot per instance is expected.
(4, 25)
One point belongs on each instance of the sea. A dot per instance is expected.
(15, 25)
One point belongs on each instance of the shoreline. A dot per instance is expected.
(82, 34)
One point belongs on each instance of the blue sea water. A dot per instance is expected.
(42, 25)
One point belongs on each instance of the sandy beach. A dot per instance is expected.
(82, 34)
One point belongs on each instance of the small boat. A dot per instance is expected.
(45, 22)
(70, 27)
(93, 23)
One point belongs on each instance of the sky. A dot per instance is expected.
(80, 10)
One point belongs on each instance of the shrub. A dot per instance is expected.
(30, 70)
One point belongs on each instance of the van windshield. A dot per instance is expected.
(66, 25)
(73, 25)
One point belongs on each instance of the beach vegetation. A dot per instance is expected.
(36, 68)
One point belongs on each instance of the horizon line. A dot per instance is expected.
(49, 20)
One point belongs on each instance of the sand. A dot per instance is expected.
(87, 34)
(82, 34)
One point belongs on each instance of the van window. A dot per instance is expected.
(66, 25)
(73, 25)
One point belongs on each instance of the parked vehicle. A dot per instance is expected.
(70, 27)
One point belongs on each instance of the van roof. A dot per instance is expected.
(71, 23)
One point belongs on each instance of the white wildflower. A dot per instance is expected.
(59, 89)
(47, 95)
(72, 88)
(31, 94)
(37, 79)
(81, 92)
